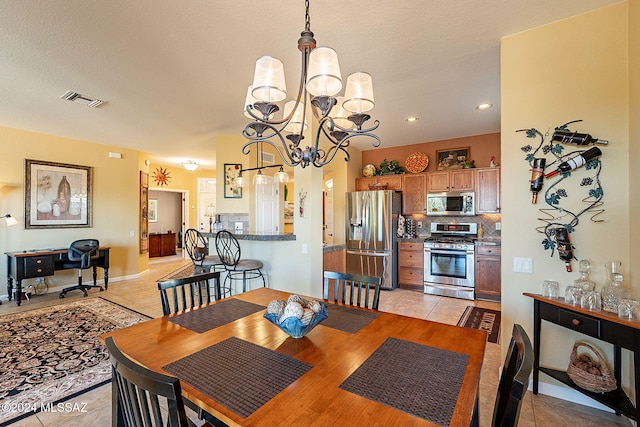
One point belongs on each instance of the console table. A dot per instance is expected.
(602, 325)
(162, 244)
(40, 263)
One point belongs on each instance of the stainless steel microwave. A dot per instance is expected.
(451, 203)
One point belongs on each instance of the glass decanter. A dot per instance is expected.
(583, 281)
(613, 293)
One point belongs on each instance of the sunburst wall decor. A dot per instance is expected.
(161, 176)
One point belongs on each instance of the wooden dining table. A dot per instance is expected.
(357, 367)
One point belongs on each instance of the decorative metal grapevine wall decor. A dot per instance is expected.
(560, 220)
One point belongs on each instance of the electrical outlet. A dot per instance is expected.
(419, 224)
(238, 227)
(498, 226)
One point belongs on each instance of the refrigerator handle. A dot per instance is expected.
(363, 253)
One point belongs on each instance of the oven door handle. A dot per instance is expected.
(448, 252)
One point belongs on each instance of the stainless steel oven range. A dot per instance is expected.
(449, 259)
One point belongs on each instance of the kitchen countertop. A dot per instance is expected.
(333, 248)
(488, 241)
(261, 236)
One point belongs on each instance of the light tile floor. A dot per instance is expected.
(142, 295)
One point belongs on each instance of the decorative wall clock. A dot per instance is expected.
(161, 176)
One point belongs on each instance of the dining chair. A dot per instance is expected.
(356, 285)
(237, 268)
(197, 247)
(514, 379)
(138, 394)
(80, 255)
(189, 292)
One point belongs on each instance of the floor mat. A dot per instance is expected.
(484, 319)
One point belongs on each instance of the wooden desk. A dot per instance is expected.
(314, 398)
(40, 263)
(602, 325)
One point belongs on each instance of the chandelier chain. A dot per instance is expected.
(307, 18)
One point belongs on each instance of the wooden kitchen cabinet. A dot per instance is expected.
(333, 260)
(414, 193)
(487, 190)
(411, 265)
(162, 244)
(393, 182)
(457, 180)
(487, 274)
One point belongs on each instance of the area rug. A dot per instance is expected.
(483, 319)
(52, 354)
(180, 273)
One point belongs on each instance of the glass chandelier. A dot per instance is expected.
(339, 118)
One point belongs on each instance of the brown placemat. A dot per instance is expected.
(240, 375)
(417, 379)
(348, 319)
(215, 315)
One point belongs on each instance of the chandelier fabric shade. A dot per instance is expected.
(268, 80)
(324, 76)
(296, 123)
(358, 96)
(320, 83)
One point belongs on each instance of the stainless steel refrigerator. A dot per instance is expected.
(371, 235)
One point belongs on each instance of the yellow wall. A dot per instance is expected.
(577, 68)
(115, 200)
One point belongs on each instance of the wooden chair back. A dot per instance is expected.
(189, 292)
(138, 394)
(514, 379)
(359, 288)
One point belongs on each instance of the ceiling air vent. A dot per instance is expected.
(82, 99)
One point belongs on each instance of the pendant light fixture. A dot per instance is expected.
(339, 119)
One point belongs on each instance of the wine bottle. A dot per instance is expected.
(565, 251)
(565, 137)
(64, 194)
(576, 161)
(537, 177)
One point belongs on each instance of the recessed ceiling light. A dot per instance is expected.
(411, 119)
(484, 106)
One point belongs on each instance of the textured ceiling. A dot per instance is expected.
(174, 73)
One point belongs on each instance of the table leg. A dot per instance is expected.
(18, 292)
(106, 278)
(10, 287)
(537, 323)
(95, 275)
(636, 374)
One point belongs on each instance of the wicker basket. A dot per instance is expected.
(579, 373)
(378, 186)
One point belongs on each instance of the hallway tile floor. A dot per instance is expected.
(538, 411)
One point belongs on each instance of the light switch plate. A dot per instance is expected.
(522, 265)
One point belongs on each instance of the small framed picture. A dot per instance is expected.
(153, 210)
(231, 173)
(452, 158)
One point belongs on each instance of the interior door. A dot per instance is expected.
(267, 206)
(328, 212)
(206, 197)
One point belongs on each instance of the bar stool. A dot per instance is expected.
(229, 252)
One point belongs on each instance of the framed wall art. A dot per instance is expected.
(231, 172)
(452, 158)
(57, 195)
(153, 210)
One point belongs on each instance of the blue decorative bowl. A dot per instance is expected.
(294, 327)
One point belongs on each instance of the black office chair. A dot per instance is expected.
(81, 255)
(514, 379)
(189, 292)
(362, 287)
(237, 268)
(198, 249)
(138, 394)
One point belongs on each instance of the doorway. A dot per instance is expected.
(172, 213)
